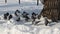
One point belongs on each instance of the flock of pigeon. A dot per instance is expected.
(25, 15)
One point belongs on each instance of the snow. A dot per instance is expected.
(23, 27)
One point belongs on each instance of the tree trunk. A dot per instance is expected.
(5, 1)
(37, 2)
(19, 1)
(59, 9)
(51, 10)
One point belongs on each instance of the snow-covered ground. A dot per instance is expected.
(23, 27)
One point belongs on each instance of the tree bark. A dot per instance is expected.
(51, 9)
